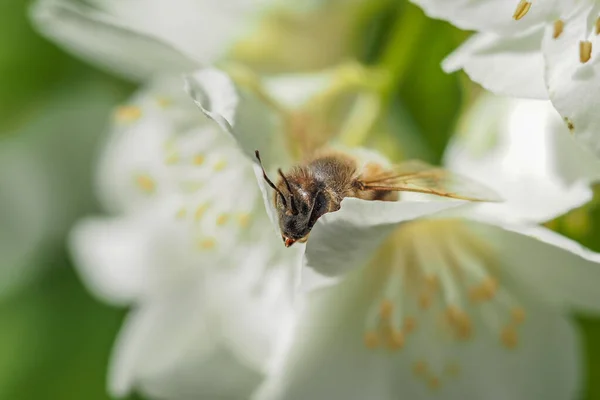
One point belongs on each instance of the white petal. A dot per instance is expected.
(108, 41)
(345, 239)
(111, 258)
(327, 358)
(168, 341)
(489, 15)
(512, 66)
(573, 86)
(546, 265)
(509, 145)
(250, 121)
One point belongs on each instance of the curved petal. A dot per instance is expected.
(168, 341)
(546, 265)
(111, 258)
(343, 240)
(512, 66)
(490, 15)
(327, 359)
(108, 41)
(573, 86)
(253, 124)
(510, 145)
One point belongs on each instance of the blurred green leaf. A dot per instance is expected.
(55, 340)
(432, 97)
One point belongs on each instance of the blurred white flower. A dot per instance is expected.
(189, 247)
(139, 38)
(44, 182)
(431, 296)
(535, 49)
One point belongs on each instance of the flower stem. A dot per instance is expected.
(403, 42)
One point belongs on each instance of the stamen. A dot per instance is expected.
(243, 219)
(200, 211)
(207, 244)
(395, 339)
(522, 9)
(434, 382)
(181, 213)
(128, 113)
(220, 165)
(585, 51)
(460, 322)
(598, 26)
(222, 219)
(172, 159)
(386, 308)
(559, 26)
(484, 291)
(410, 324)
(371, 340)
(420, 368)
(163, 102)
(518, 315)
(452, 369)
(145, 183)
(198, 159)
(509, 337)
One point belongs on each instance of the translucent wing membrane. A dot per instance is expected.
(418, 176)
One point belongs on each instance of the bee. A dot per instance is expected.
(318, 186)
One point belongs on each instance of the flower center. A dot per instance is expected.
(438, 288)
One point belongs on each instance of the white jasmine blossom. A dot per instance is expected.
(142, 38)
(187, 246)
(431, 297)
(539, 49)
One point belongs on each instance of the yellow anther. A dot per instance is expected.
(145, 183)
(395, 340)
(522, 9)
(163, 102)
(198, 159)
(172, 159)
(486, 290)
(128, 113)
(452, 369)
(386, 309)
(200, 211)
(181, 213)
(207, 244)
(559, 26)
(460, 322)
(222, 219)
(518, 315)
(509, 337)
(220, 165)
(432, 281)
(410, 324)
(598, 26)
(371, 340)
(243, 219)
(585, 51)
(434, 382)
(420, 368)
(425, 301)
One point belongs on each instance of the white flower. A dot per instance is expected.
(44, 187)
(140, 38)
(189, 247)
(538, 49)
(433, 297)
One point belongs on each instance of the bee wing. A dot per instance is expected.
(418, 176)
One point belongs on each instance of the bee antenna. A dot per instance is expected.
(266, 178)
(289, 188)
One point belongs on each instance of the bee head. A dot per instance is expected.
(299, 204)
